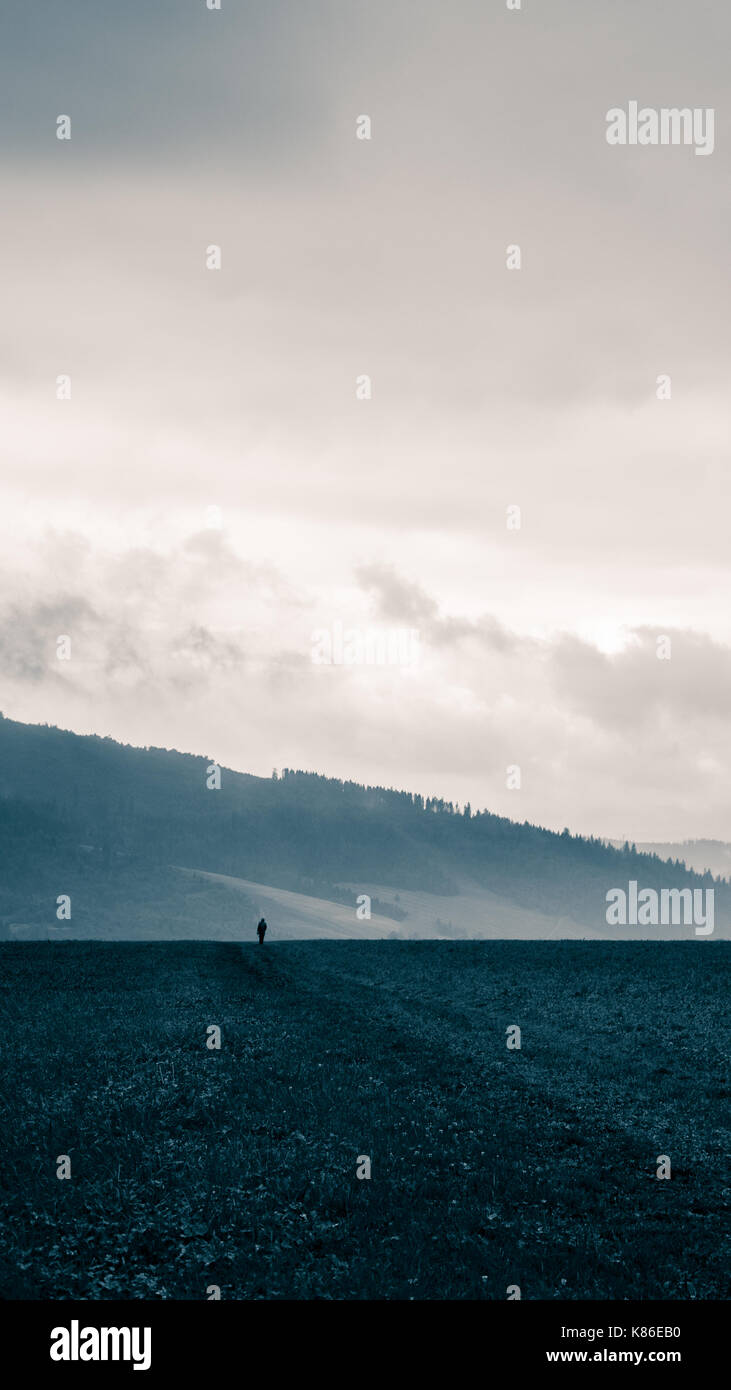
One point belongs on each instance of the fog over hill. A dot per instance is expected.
(713, 856)
(112, 826)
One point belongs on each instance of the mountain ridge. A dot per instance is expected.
(105, 805)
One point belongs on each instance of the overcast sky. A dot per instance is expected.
(195, 389)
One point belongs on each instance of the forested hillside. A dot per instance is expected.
(296, 830)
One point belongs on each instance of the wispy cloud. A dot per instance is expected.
(206, 644)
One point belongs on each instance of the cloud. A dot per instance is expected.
(618, 743)
(29, 632)
(397, 599)
(671, 673)
(146, 629)
(404, 601)
(194, 390)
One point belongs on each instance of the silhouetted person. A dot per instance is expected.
(261, 931)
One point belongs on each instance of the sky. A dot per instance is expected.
(220, 490)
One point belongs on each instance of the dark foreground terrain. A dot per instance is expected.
(193, 1167)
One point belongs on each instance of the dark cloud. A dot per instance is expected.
(29, 634)
(405, 602)
(640, 684)
(397, 599)
(163, 82)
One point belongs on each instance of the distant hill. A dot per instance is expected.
(116, 818)
(713, 856)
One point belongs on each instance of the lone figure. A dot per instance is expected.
(261, 931)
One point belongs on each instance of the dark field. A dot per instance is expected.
(490, 1167)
